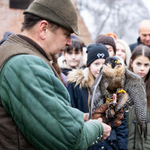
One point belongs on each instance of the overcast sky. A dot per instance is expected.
(89, 22)
(147, 3)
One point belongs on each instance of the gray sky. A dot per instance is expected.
(89, 21)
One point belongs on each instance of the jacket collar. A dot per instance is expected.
(139, 42)
(33, 44)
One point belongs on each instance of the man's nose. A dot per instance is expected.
(148, 38)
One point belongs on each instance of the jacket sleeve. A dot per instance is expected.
(39, 104)
(122, 134)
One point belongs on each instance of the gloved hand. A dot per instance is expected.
(101, 112)
(118, 117)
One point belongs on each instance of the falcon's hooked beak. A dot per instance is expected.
(118, 63)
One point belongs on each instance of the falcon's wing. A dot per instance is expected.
(96, 98)
(135, 87)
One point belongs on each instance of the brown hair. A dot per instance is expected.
(75, 44)
(142, 50)
(56, 66)
(30, 20)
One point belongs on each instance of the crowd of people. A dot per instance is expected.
(46, 77)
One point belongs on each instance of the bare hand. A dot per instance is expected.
(107, 130)
(86, 117)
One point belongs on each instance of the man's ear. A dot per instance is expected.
(43, 29)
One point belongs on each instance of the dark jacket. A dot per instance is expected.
(79, 97)
(133, 46)
(65, 71)
(78, 90)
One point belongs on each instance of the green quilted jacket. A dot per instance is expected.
(40, 106)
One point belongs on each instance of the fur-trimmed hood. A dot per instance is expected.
(79, 76)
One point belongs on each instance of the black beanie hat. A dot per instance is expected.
(106, 40)
(96, 51)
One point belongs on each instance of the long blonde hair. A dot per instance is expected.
(91, 80)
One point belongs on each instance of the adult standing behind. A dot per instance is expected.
(109, 42)
(139, 64)
(123, 51)
(35, 110)
(144, 35)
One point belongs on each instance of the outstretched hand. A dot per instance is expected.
(106, 128)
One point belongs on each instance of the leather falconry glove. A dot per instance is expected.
(102, 112)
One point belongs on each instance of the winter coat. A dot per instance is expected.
(38, 103)
(136, 141)
(77, 81)
(78, 89)
(133, 46)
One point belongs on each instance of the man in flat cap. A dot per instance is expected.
(35, 111)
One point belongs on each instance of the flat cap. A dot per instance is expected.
(61, 12)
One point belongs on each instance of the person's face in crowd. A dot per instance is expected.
(141, 66)
(120, 51)
(57, 41)
(110, 50)
(73, 58)
(95, 66)
(144, 34)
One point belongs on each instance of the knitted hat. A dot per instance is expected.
(106, 40)
(61, 12)
(96, 51)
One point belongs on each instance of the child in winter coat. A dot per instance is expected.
(79, 87)
(139, 64)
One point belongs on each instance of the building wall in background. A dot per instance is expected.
(11, 20)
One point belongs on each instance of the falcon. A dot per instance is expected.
(116, 79)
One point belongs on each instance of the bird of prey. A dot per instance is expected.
(115, 78)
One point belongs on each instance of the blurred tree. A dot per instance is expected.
(118, 16)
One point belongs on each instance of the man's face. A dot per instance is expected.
(73, 58)
(57, 41)
(144, 34)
